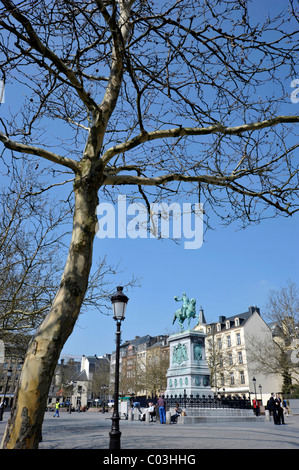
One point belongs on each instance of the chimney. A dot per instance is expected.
(254, 309)
(222, 319)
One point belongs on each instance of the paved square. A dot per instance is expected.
(90, 430)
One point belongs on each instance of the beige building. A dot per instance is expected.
(140, 365)
(228, 345)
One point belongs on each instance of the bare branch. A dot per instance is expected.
(185, 131)
(29, 149)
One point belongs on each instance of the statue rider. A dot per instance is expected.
(185, 301)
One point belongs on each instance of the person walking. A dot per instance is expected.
(162, 413)
(256, 407)
(56, 410)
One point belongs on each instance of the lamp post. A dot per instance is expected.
(260, 387)
(254, 384)
(103, 389)
(119, 302)
(8, 375)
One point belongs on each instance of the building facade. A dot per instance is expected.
(10, 371)
(228, 345)
(142, 360)
(80, 384)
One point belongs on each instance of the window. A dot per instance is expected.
(221, 361)
(238, 338)
(229, 343)
(230, 359)
(237, 322)
(240, 357)
(232, 379)
(219, 343)
(227, 325)
(218, 326)
(222, 379)
(242, 377)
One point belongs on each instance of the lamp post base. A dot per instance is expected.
(114, 439)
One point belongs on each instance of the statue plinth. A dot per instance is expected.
(188, 372)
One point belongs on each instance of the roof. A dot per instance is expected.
(137, 341)
(243, 318)
(79, 376)
(96, 359)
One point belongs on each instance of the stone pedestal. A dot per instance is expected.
(188, 372)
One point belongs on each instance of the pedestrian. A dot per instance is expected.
(285, 407)
(256, 407)
(162, 413)
(136, 404)
(272, 407)
(56, 410)
(278, 405)
(151, 410)
(174, 418)
(2, 406)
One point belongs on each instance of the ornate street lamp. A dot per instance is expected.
(119, 302)
(260, 388)
(254, 384)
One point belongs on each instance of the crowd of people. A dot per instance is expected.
(276, 405)
(151, 409)
(278, 408)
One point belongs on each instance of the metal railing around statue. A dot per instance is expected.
(193, 402)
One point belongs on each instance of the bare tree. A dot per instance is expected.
(156, 381)
(168, 99)
(282, 309)
(281, 354)
(30, 266)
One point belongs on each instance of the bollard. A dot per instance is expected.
(267, 415)
(147, 417)
(168, 417)
(130, 415)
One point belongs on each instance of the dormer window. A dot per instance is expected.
(227, 324)
(218, 326)
(237, 322)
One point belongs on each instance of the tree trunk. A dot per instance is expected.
(24, 426)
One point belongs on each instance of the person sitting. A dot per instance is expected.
(152, 411)
(178, 411)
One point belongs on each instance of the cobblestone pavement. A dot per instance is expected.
(90, 430)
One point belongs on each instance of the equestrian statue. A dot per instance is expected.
(186, 312)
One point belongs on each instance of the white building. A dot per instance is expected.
(228, 344)
(85, 386)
